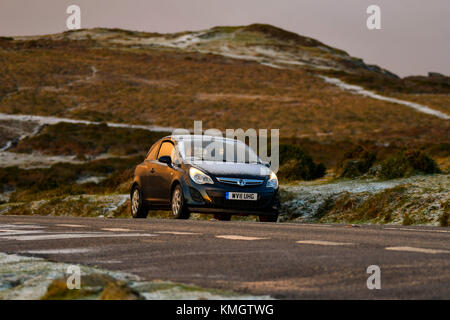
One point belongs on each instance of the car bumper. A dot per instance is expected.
(237, 212)
(212, 199)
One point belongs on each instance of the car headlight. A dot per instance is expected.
(199, 177)
(273, 181)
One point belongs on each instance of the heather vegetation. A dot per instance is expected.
(86, 141)
(360, 161)
(109, 80)
(296, 164)
(121, 76)
(61, 179)
(407, 163)
(89, 141)
(357, 162)
(63, 188)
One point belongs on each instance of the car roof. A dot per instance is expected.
(188, 137)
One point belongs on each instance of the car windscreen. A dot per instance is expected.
(217, 150)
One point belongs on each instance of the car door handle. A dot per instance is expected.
(152, 170)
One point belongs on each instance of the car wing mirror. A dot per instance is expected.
(267, 164)
(165, 159)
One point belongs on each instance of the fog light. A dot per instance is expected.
(196, 195)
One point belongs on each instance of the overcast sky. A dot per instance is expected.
(415, 35)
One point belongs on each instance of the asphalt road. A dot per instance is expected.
(286, 261)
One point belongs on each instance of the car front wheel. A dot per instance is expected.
(138, 207)
(179, 209)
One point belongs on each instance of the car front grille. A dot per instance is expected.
(240, 182)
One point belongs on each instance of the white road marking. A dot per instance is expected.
(297, 224)
(111, 261)
(71, 225)
(324, 243)
(419, 230)
(116, 229)
(58, 251)
(21, 226)
(177, 232)
(236, 237)
(76, 236)
(9, 232)
(421, 250)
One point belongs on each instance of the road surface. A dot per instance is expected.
(285, 261)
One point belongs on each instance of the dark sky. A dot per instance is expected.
(415, 35)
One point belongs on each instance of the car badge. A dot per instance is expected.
(241, 182)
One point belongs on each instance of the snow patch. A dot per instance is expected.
(91, 179)
(33, 160)
(6, 146)
(49, 120)
(361, 91)
(268, 64)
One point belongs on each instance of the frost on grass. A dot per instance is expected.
(33, 278)
(33, 160)
(27, 278)
(414, 200)
(79, 205)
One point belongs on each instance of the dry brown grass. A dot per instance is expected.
(174, 88)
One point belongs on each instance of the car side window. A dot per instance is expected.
(152, 153)
(166, 149)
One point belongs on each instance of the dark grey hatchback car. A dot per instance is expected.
(204, 174)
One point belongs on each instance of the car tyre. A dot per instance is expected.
(178, 205)
(269, 218)
(139, 209)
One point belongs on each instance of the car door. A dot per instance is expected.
(148, 176)
(163, 174)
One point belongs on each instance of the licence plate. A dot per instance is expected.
(241, 196)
